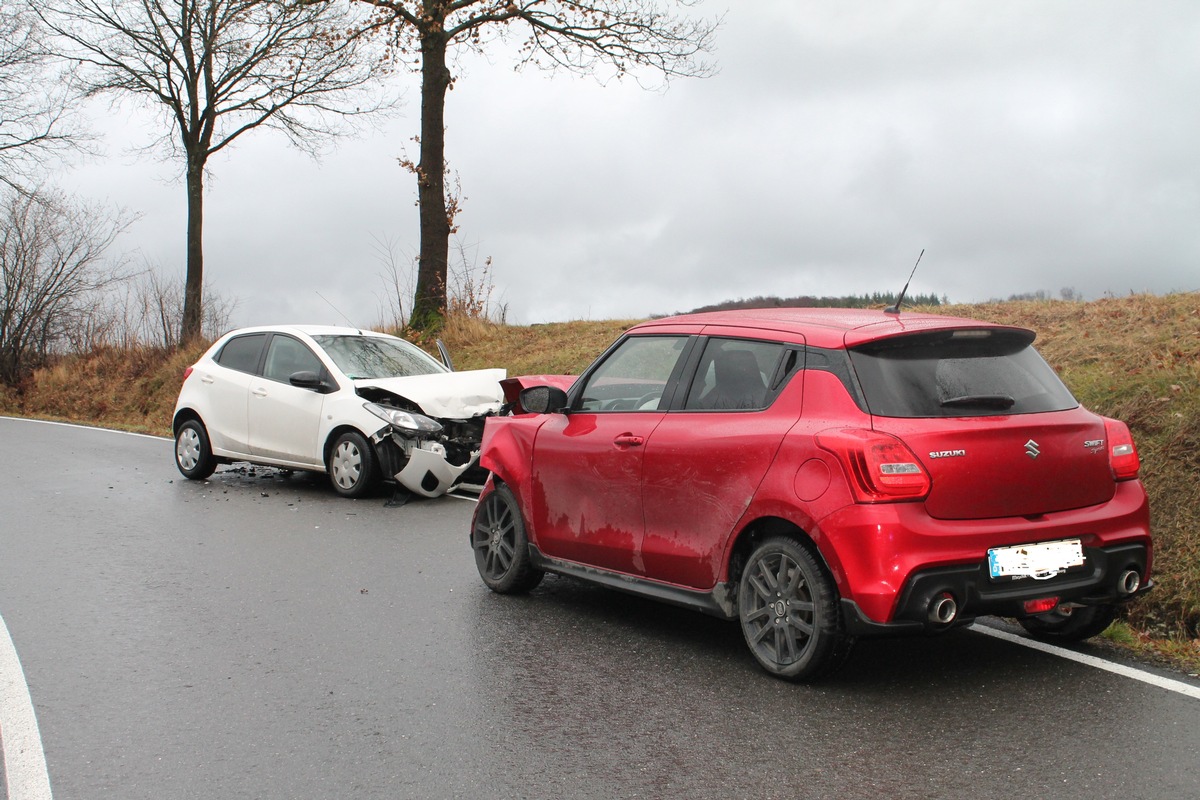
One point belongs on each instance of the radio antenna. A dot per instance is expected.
(343, 316)
(895, 309)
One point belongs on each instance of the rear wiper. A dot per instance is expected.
(980, 401)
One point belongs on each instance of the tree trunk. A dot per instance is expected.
(193, 291)
(429, 302)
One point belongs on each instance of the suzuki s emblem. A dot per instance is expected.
(1032, 449)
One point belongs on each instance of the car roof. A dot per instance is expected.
(309, 330)
(820, 327)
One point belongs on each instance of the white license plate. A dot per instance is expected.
(1039, 561)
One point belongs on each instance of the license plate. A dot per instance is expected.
(1038, 561)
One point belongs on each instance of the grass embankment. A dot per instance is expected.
(1135, 358)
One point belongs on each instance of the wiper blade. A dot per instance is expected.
(980, 401)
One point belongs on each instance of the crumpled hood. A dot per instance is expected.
(447, 395)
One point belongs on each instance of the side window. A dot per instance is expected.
(287, 356)
(735, 374)
(634, 376)
(242, 352)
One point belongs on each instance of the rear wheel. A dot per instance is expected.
(193, 453)
(1070, 624)
(352, 467)
(788, 607)
(500, 545)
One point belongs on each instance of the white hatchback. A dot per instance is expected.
(359, 405)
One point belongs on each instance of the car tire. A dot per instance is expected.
(1075, 626)
(193, 453)
(790, 613)
(500, 544)
(352, 465)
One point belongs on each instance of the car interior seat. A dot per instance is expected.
(738, 383)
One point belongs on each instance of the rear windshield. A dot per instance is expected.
(962, 373)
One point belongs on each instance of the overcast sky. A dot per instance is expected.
(1025, 145)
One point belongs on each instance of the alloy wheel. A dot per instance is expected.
(780, 616)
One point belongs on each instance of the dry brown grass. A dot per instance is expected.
(133, 389)
(1136, 358)
(554, 348)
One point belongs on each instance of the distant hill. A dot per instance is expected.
(874, 300)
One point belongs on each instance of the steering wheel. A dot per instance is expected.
(648, 401)
(632, 404)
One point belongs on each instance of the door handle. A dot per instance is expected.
(629, 440)
(259, 392)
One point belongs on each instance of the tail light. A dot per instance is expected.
(1041, 606)
(187, 372)
(1122, 454)
(882, 468)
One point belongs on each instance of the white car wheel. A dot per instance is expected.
(352, 465)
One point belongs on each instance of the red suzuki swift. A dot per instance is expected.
(820, 475)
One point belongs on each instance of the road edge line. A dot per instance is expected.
(24, 760)
(1170, 684)
(86, 427)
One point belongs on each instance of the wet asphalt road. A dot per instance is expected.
(256, 636)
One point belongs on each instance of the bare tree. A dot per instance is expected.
(599, 37)
(34, 120)
(52, 265)
(147, 310)
(397, 285)
(217, 69)
(471, 286)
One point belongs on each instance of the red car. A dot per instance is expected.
(820, 475)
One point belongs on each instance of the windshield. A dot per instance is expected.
(377, 357)
(962, 373)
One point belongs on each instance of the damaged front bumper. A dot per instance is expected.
(422, 466)
(429, 474)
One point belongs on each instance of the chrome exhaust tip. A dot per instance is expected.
(943, 609)
(1129, 582)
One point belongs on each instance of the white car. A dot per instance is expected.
(359, 405)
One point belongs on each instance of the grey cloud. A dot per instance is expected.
(1025, 145)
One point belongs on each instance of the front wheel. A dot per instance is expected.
(193, 453)
(352, 467)
(1070, 624)
(788, 607)
(500, 545)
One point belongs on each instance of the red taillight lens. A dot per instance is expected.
(1042, 606)
(1122, 454)
(882, 468)
(187, 372)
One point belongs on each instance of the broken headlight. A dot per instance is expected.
(405, 421)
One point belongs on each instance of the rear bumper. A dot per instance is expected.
(976, 594)
(889, 559)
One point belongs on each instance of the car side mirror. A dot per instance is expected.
(542, 399)
(307, 379)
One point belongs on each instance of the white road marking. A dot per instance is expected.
(1171, 685)
(87, 427)
(24, 761)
